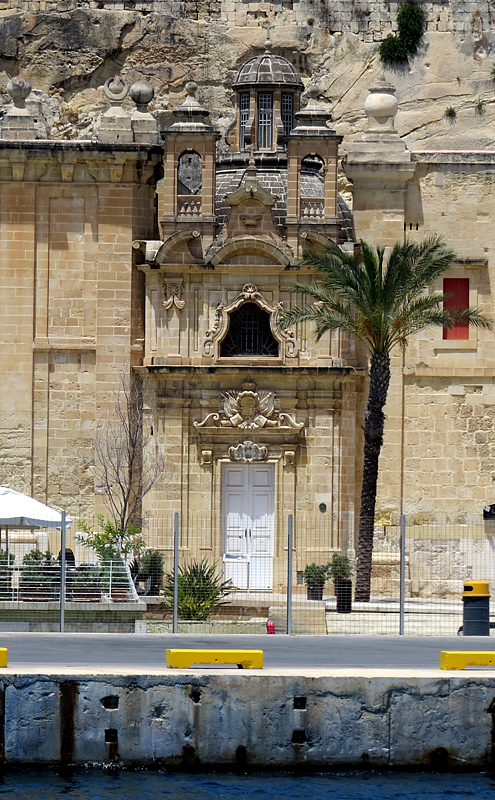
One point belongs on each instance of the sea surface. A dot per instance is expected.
(123, 785)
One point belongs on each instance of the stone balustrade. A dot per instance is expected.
(188, 205)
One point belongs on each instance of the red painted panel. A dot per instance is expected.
(458, 288)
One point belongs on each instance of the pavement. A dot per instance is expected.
(145, 654)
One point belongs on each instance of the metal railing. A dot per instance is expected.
(232, 574)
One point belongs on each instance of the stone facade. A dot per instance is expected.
(175, 260)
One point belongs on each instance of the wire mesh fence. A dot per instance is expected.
(238, 574)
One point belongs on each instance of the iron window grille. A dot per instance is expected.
(244, 104)
(287, 103)
(265, 120)
(249, 333)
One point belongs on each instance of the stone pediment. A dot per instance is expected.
(246, 194)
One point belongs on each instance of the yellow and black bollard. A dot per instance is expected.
(476, 611)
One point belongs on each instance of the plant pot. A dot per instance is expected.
(87, 597)
(315, 592)
(119, 595)
(344, 595)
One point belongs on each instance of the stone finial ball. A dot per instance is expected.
(19, 89)
(142, 93)
(191, 87)
(381, 102)
(312, 91)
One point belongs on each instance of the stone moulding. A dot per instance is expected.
(248, 451)
(215, 335)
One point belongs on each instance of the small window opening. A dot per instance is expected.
(189, 174)
(249, 333)
(287, 109)
(265, 121)
(458, 289)
(244, 105)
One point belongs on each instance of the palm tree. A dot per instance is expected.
(382, 305)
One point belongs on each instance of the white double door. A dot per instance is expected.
(248, 505)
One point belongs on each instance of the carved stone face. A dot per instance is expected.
(248, 404)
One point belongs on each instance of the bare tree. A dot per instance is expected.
(127, 461)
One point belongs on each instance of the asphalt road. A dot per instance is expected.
(146, 651)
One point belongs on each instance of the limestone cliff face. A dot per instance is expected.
(68, 49)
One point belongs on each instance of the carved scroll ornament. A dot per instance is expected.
(248, 451)
(173, 294)
(250, 294)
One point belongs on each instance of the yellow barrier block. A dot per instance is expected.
(244, 659)
(3, 656)
(460, 659)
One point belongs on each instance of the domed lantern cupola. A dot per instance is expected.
(268, 89)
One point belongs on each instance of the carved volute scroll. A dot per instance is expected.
(287, 339)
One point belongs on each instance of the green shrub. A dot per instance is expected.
(110, 542)
(200, 590)
(88, 579)
(450, 113)
(340, 567)
(40, 571)
(393, 51)
(411, 24)
(315, 574)
(151, 566)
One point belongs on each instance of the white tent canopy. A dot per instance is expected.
(20, 511)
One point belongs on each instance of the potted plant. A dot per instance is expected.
(40, 577)
(201, 590)
(314, 577)
(87, 586)
(151, 566)
(340, 571)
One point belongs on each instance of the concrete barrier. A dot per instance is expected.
(224, 717)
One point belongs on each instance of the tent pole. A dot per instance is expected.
(62, 573)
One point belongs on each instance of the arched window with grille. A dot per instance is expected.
(249, 333)
(189, 184)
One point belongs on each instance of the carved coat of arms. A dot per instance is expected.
(249, 409)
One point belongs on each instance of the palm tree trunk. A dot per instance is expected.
(374, 419)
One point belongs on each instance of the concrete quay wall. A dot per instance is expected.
(256, 718)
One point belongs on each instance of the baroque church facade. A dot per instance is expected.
(167, 256)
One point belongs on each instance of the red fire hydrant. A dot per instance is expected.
(270, 626)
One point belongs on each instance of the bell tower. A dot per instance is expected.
(189, 170)
(312, 157)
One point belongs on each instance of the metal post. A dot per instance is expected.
(402, 572)
(176, 571)
(62, 573)
(290, 541)
(110, 582)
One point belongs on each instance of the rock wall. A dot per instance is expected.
(68, 49)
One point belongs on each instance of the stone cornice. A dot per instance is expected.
(77, 161)
(454, 156)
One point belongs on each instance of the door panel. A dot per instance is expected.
(248, 511)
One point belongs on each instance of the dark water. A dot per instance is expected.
(122, 785)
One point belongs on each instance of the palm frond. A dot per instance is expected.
(381, 304)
